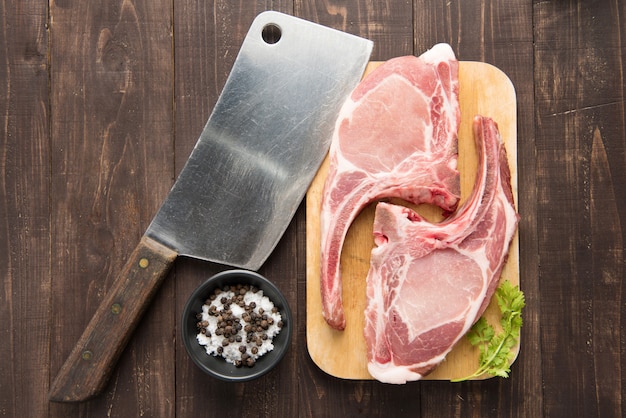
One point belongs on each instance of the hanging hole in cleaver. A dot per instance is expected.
(271, 33)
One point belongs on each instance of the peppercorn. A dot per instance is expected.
(254, 321)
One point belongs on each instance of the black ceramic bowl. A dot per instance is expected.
(217, 366)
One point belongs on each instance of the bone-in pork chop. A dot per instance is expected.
(396, 136)
(428, 283)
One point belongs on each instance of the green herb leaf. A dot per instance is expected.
(481, 332)
(495, 349)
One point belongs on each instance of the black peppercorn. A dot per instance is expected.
(251, 318)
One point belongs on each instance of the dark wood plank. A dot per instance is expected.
(497, 32)
(389, 25)
(112, 165)
(24, 191)
(100, 110)
(207, 38)
(580, 177)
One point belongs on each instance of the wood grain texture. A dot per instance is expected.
(483, 90)
(88, 368)
(499, 33)
(389, 24)
(101, 103)
(208, 36)
(24, 190)
(580, 181)
(111, 162)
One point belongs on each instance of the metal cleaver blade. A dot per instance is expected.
(258, 153)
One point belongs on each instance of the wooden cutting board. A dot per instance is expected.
(484, 90)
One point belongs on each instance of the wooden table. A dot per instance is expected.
(101, 104)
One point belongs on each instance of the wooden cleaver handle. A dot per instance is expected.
(88, 367)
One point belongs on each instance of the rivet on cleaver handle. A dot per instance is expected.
(88, 367)
(260, 149)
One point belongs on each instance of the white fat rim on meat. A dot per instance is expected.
(399, 375)
(438, 53)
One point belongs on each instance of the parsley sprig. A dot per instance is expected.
(495, 349)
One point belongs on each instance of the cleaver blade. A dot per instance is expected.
(256, 157)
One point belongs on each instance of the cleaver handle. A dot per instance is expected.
(88, 367)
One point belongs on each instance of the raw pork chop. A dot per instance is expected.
(396, 136)
(428, 283)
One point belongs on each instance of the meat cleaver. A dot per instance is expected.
(263, 143)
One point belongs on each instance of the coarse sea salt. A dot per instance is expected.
(214, 344)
